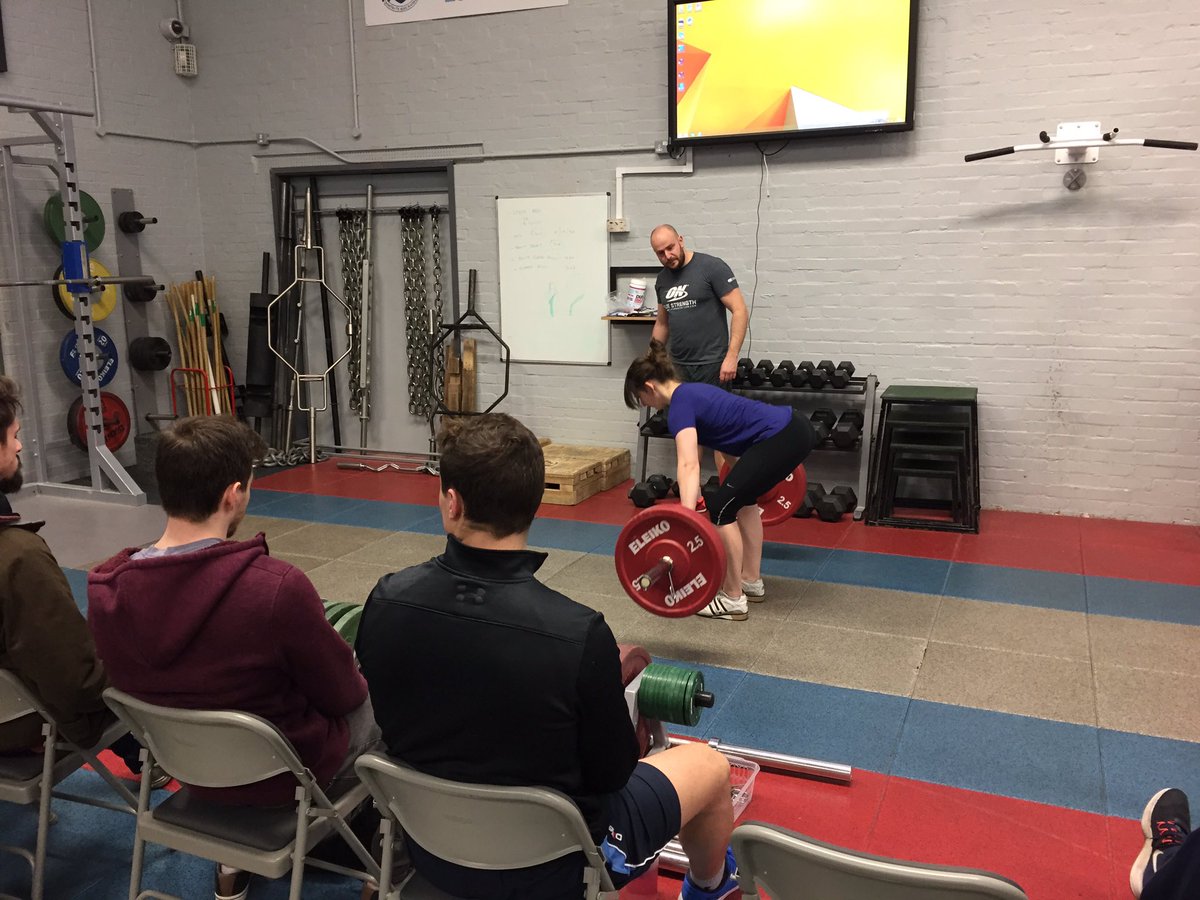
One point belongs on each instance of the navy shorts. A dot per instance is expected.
(642, 818)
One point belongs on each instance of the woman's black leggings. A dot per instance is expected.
(760, 468)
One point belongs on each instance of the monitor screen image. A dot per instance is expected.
(775, 69)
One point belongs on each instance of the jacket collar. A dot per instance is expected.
(491, 565)
(8, 518)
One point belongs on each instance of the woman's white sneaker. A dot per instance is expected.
(754, 591)
(723, 606)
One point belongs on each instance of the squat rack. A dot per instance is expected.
(56, 124)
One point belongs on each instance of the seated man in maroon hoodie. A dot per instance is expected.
(200, 621)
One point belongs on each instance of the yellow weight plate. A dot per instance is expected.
(103, 302)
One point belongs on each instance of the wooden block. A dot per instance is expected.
(570, 479)
(615, 461)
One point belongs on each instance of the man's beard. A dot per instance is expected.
(13, 482)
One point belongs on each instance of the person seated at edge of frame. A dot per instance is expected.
(479, 673)
(201, 621)
(44, 641)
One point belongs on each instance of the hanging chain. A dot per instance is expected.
(439, 363)
(352, 232)
(416, 310)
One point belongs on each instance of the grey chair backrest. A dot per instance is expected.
(208, 748)
(15, 702)
(477, 825)
(790, 866)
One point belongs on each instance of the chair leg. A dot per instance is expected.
(300, 849)
(49, 738)
(139, 845)
(385, 863)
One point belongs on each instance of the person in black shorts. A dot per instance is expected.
(695, 291)
(763, 442)
(480, 673)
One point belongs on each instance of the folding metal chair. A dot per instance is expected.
(30, 779)
(224, 748)
(790, 866)
(477, 825)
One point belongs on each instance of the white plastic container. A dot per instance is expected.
(636, 298)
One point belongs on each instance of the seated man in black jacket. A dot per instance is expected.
(480, 673)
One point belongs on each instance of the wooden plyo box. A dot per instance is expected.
(615, 461)
(570, 479)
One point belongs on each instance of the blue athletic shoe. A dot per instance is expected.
(729, 887)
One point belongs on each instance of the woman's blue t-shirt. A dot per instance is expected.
(724, 421)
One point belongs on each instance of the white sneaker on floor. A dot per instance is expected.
(723, 606)
(754, 591)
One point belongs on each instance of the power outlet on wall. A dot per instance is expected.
(618, 226)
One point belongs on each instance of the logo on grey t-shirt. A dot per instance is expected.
(677, 298)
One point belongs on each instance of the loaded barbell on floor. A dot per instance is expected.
(671, 560)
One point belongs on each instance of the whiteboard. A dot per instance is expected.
(554, 278)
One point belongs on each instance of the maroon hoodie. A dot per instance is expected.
(228, 627)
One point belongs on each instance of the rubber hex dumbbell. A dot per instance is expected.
(656, 424)
(709, 488)
(744, 367)
(812, 495)
(823, 421)
(800, 376)
(818, 377)
(834, 505)
(840, 377)
(848, 429)
(760, 373)
(781, 376)
(646, 493)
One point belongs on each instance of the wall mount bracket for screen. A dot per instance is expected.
(1079, 143)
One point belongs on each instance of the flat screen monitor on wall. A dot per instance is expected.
(752, 70)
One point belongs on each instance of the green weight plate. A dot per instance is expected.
(93, 220)
(347, 625)
(334, 609)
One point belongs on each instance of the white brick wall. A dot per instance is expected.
(1074, 313)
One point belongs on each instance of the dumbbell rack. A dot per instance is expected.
(859, 392)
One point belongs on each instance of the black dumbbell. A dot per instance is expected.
(848, 429)
(813, 492)
(834, 505)
(709, 488)
(818, 377)
(781, 376)
(823, 421)
(646, 493)
(760, 373)
(744, 367)
(840, 377)
(656, 424)
(800, 376)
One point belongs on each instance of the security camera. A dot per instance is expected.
(173, 29)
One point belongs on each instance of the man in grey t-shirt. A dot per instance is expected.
(694, 291)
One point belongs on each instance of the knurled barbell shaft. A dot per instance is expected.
(653, 574)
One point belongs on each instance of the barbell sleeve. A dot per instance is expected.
(781, 762)
(653, 574)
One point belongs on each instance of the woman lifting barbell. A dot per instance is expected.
(764, 443)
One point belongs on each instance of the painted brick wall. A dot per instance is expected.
(49, 61)
(1074, 313)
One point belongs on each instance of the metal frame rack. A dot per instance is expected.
(56, 124)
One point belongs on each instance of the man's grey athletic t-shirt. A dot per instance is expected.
(691, 295)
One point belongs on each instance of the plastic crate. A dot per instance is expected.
(742, 773)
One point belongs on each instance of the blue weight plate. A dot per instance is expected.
(106, 357)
